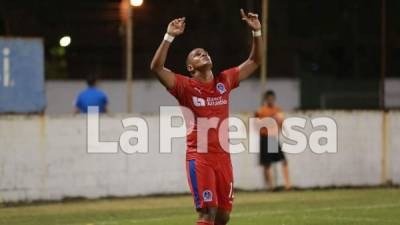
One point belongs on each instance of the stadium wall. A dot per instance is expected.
(45, 158)
(61, 95)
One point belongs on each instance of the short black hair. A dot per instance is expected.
(91, 80)
(269, 93)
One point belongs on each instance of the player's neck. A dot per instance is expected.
(204, 76)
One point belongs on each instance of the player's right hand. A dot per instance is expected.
(176, 27)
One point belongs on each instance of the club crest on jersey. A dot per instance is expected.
(207, 196)
(221, 88)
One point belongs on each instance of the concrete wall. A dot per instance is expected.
(46, 158)
(394, 146)
(149, 95)
(392, 92)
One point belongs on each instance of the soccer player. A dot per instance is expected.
(267, 156)
(209, 170)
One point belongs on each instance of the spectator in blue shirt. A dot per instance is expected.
(91, 97)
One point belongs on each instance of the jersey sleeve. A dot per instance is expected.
(178, 90)
(232, 77)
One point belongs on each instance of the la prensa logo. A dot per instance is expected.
(221, 88)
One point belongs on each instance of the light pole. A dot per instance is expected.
(264, 64)
(383, 56)
(129, 51)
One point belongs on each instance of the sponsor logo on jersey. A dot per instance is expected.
(199, 102)
(207, 196)
(216, 101)
(221, 88)
(209, 101)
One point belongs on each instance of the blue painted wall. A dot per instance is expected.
(22, 75)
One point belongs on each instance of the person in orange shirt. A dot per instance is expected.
(267, 158)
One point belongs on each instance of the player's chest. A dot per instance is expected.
(214, 96)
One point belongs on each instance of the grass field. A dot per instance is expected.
(324, 207)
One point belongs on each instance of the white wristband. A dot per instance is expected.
(257, 33)
(168, 38)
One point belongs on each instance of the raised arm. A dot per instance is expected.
(166, 76)
(255, 57)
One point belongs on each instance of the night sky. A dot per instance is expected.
(339, 38)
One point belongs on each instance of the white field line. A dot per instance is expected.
(380, 206)
(271, 212)
(363, 219)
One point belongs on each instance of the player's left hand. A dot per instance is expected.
(251, 19)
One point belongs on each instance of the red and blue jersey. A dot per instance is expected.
(209, 101)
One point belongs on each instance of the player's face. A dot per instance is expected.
(198, 59)
(270, 100)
